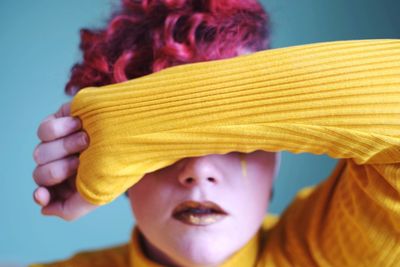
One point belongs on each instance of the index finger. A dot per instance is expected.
(64, 110)
(51, 123)
(50, 130)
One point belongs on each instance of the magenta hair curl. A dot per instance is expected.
(147, 36)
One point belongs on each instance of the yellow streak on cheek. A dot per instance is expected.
(243, 164)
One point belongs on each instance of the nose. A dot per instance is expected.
(199, 171)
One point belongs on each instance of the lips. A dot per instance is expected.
(199, 213)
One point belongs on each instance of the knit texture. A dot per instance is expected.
(338, 98)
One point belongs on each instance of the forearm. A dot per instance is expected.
(337, 98)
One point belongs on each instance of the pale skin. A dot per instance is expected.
(57, 159)
(241, 190)
(239, 183)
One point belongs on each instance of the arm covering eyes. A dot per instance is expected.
(337, 98)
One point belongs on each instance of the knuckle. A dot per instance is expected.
(36, 175)
(55, 173)
(75, 142)
(46, 130)
(41, 129)
(69, 144)
(36, 155)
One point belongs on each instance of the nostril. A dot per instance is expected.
(189, 180)
(211, 179)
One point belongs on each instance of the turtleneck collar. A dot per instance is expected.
(245, 257)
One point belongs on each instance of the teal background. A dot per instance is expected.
(39, 44)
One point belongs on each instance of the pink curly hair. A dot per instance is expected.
(149, 35)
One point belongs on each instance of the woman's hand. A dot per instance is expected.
(57, 159)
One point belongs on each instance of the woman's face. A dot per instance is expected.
(201, 210)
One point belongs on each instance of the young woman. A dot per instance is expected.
(208, 209)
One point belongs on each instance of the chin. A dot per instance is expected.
(200, 251)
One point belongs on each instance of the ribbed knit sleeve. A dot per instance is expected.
(337, 98)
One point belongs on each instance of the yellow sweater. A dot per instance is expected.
(132, 255)
(337, 98)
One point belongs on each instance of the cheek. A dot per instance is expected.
(248, 199)
(140, 201)
(257, 184)
(262, 176)
(148, 199)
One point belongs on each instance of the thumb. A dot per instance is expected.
(69, 209)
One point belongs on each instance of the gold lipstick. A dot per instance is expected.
(199, 213)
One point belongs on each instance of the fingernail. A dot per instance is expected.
(85, 138)
(75, 123)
